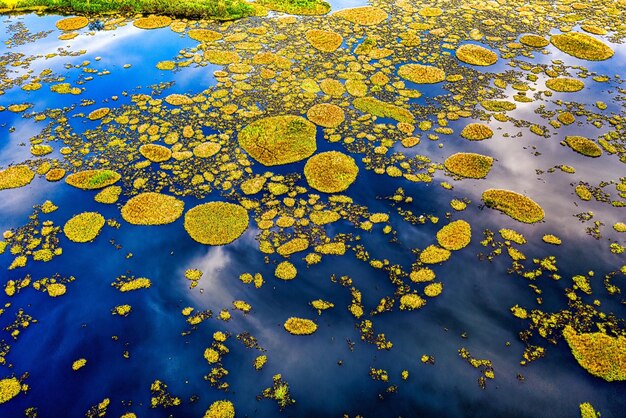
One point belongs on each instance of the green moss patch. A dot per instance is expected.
(476, 55)
(92, 179)
(517, 206)
(469, 165)
(152, 209)
(84, 227)
(583, 146)
(16, 176)
(581, 45)
(331, 172)
(216, 223)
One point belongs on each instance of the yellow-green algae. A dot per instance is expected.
(72, 23)
(326, 115)
(565, 84)
(517, 206)
(434, 255)
(366, 16)
(109, 195)
(469, 165)
(279, 140)
(498, 105)
(619, 226)
(204, 35)
(476, 55)
(534, 41)
(323, 40)
(220, 409)
(331, 172)
(285, 271)
(300, 326)
(383, 109)
(84, 227)
(79, 364)
(433, 290)
(9, 388)
(206, 149)
(411, 301)
(99, 113)
(152, 209)
(476, 132)
(581, 45)
(422, 275)
(422, 74)
(600, 354)
(155, 153)
(16, 176)
(587, 411)
(583, 146)
(216, 223)
(551, 239)
(455, 235)
(152, 22)
(92, 179)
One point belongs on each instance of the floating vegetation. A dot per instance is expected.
(421, 74)
(152, 22)
(411, 302)
(498, 105)
(16, 176)
(600, 354)
(565, 84)
(331, 172)
(84, 227)
(285, 271)
(300, 326)
(9, 389)
(92, 179)
(470, 165)
(326, 115)
(583, 146)
(434, 255)
(455, 236)
(582, 46)
(204, 35)
(220, 409)
(279, 140)
(72, 23)
(216, 223)
(476, 132)
(301, 7)
(152, 209)
(382, 109)
(155, 153)
(534, 41)
(476, 55)
(98, 113)
(366, 16)
(323, 40)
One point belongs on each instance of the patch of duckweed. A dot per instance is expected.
(152, 22)
(323, 40)
(583, 146)
(293, 246)
(498, 105)
(619, 226)
(511, 235)
(583, 46)
(476, 132)
(587, 411)
(216, 223)
(476, 55)
(366, 16)
(129, 284)
(470, 165)
(551, 239)
(422, 275)
(300, 326)
(166, 65)
(383, 109)
(279, 140)
(206, 149)
(326, 115)
(40, 150)
(422, 74)
(16, 176)
(9, 388)
(433, 290)
(434, 255)
(534, 41)
(155, 153)
(79, 364)
(455, 235)
(565, 84)
(72, 23)
(152, 209)
(517, 206)
(84, 227)
(286, 271)
(331, 172)
(600, 354)
(109, 195)
(178, 100)
(220, 409)
(411, 301)
(98, 113)
(204, 35)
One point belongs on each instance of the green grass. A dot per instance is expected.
(297, 7)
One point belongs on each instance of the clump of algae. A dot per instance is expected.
(455, 235)
(411, 302)
(366, 16)
(326, 115)
(383, 109)
(581, 45)
(279, 140)
(84, 227)
(476, 132)
(9, 388)
(583, 146)
(109, 195)
(433, 255)
(92, 179)
(99, 113)
(534, 41)
(498, 105)
(469, 165)
(152, 209)
(300, 326)
(517, 206)
(220, 409)
(598, 353)
(152, 22)
(331, 172)
(422, 74)
(72, 23)
(422, 275)
(293, 246)
(476, 55)
(323, 40)
(216, 223)
(178, 100)
(551, 239)
(155, 153)
(565, 84)
(206, 149)
(16, 176)
(79, 364)
(204, 35)
(285, 271)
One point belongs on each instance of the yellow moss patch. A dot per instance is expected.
(99, 113)
(152, 209)
(220, 409)
(330, 172)
(566, 118)
(79, 364)
(40, 150)
(587, 411)
(9, 389)
(206, 149)
(422, 74)
(619, 227)
(323, 40)
(155, 153)
(534, 41)
(565, 84)
(285, 271)
(476, 55)
(178, 100)
(16, 176)
(600, 354)
(204, 35)
(498, 105)
(109, 195)
(72, 23)
(365, 16)
(254, 185)
(219, 57)
(166, 65)
(583, 146)
(430, 12)
(324, 217)
(582, 46)
(511, 235)
(279, 140)
(84, 227)
(152, 22)
(216, 223)
(135, 284)
(469, 165)
(326, 115)
(433, 255)
(333, 248)
(300, 326)
(433, 290)
(583, 192)
(477, 132)
(551, 239)
(455, 235)
(122, 310)
(56, 289)
(411, 301)
(383, 109)
(422, 275)
(515, 205)
(293, 246)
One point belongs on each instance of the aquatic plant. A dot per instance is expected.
(422, 275)
(300, 326)
(583, 146)
(285, 271)
(331, 172)
(109, 195)
(366, 16)
(220, 409)
(434, 255)
(216, 223)
(297, 7)
(98, 113)
(84, 227)
(152, 209)
(421, 74)
(9, 388)
(600, 354)
(534, 41)
(326, 115)
(469, 165)
(152, 22)
(582, 46)
(565, 84)
(16, 176)
(155, 153)
(72, 23)
(476, 132)
(383, 109)
(517, 206)
(204, 35)
(411, 302)
(324, 40)
(476, 55)
(455, 235)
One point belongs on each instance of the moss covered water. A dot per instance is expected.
(388, 209)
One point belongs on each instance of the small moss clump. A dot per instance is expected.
(619, 226)
(326, 115)
(422, 74)
(285, 271)
(534, 41)
(566, 118)
(109, 195)
(383, 109)
(587, 411)
(56, 174)
(300, 326)
(433, 290)
(204, 35)
(152, 22)
(583, 46)
(411, 302)
(16, 176)
(72, 23)
(511, 235)
(366, 16)
(469, 165)
(476, 55)
(498, 105)
(155, 153)
(598, 353)
(84, 227)
(455, 235)
(433, 255)
(98, 113)
(583, 192)
(279, 140)
(583, 146)
(79, 364)
(323, 40)
(293, 246)
(517, 206)
(551, 239)
(206, 149)
(331, 172)
(477, 132)
(422, 275)
(152, 209)
(565, 84)
(178, 100)
(220, 409)
(216, 223)
(9, 388)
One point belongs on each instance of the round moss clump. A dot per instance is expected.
(286, 271)
(331, 172)
(92, 179)
(206, 149)
(220, 409)
(411, 302)
(477, 132)
(279, 140)
(155, 153)
(433, 255)
(152, 209)
(204, 35)
(476, 55)
(9, 389)
(72, 23)
(534, 41)
(152, 22)
(470, 165)
(178, 100)
(326, 115)
(300, 326)
(583, 146)
(84, 227)
(422, 74)
(16, 176)
(455, 235)
(366, 16)
(581, 45)
(56, 174)
(216, 223)
(600, 354)
(565, 84)
(98, 113)
(515, 205)
(323, 40)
